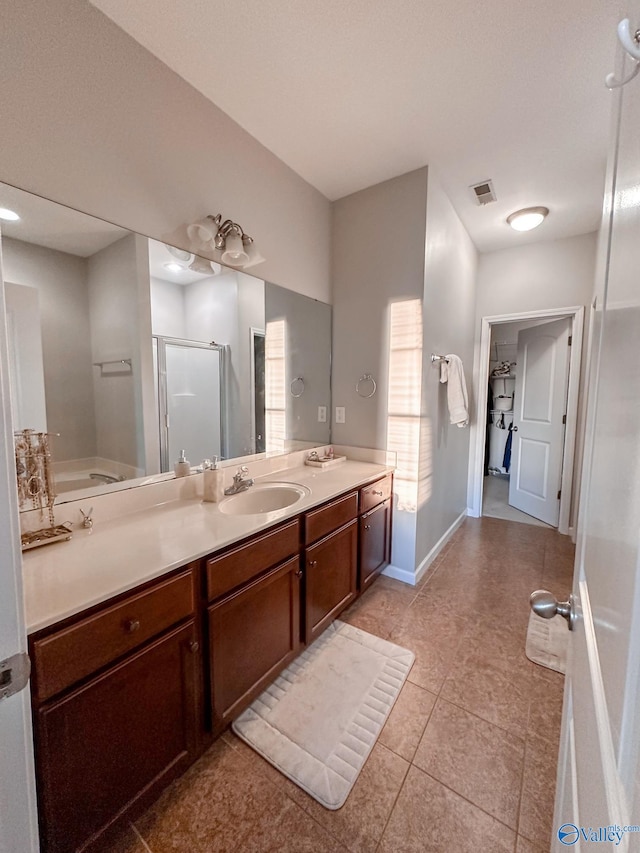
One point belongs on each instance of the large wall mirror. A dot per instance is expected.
(126, 351)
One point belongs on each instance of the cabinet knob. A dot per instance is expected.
(376, 492)
(194, 646)
(131, 626)
(367, 527)
(313, 563)
(298, 574)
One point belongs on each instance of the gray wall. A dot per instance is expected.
(91, 119)
(449, 303)
(61, 281)
(378, 258)
(120, 329)
(404, 273)
(308, 349)
(551, 274)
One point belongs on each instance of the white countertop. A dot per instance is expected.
(65, 578)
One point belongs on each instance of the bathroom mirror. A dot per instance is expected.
(126, 351)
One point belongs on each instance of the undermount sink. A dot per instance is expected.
(263, 497)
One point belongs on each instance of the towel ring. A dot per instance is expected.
(366, 377)
(300, 386)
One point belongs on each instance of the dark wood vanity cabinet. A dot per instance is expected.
(253, 618)
(375, 530)
(254, 633)
(330, 564)
(129, 693)
(121, 717)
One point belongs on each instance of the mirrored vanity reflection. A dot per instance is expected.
(127, 351)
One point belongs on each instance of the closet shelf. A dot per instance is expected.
(501, 412)
(508, 376)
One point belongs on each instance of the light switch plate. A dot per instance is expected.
(340, 415)
(322, 414)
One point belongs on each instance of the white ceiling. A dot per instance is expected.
(55, 226)
(350, 94)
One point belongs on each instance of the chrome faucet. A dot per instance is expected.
(240, 481)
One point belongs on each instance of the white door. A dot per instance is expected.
(599, 770)
(18, 826)
(538, 420)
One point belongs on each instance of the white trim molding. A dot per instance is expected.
(477, 437)
(412, 578)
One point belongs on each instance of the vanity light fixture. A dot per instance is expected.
(8, 215)
(527, 218)
(227, 239)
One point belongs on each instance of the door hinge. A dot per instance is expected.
(14, 674)
(564, 419)
(559, 493)
(570, 339)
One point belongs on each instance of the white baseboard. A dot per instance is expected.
(403, 575)
(412, 578)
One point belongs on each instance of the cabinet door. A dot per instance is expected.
(118, 739)
(254, 634)
(375, 541)
(330, 572)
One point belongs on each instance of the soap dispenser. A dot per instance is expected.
(182, 466)
(213, 482)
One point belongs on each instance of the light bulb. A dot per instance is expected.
(234, 253)
(527, 218)
(8, 215)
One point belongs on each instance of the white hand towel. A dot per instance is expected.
(452, 372)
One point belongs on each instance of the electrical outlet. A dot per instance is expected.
(322, 414)
(340, 415)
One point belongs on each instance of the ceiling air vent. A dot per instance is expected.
(483, 192)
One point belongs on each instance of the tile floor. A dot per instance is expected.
(459, 765)
(495, 503)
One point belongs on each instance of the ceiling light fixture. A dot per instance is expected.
(174, 267)
(8, 215)
(527, 218)
(225, 239)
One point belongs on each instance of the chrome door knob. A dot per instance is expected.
(545, 604)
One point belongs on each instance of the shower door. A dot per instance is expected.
(191, 400)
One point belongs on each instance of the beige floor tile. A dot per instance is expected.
(292, 830)
(499, 697)
(434, 646)
(430, 817)
(545, 713)
(475, 759)
(407, 721)
(214, 807)
(523, 845)
(538, 791)
(360, 822)
(381, 606)
(123, 839)
(497, 644)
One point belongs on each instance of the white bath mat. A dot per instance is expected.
(547, 642)
(318, 721)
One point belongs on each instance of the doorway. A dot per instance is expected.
(523, 447)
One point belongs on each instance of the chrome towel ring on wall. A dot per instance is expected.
(298, 384)
(364, 384)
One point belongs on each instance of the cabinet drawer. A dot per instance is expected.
(375, 493)
(63, 658)
(322, 521)
(236, 567)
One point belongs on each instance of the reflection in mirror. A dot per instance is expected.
(128, 351)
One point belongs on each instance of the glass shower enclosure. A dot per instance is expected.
(190, 395)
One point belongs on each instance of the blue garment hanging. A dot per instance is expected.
(506, 461)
